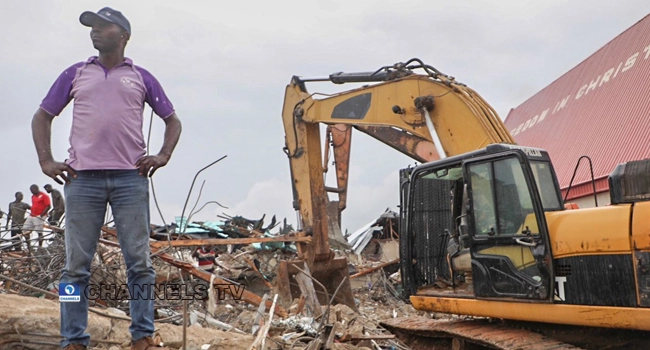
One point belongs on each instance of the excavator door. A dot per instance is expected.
(508, 236)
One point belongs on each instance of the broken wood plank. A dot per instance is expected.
(301, 305)
(373, 269)
(330, 331)
(214, 322)
(260, 341)
(259, 316)
(252, 265)
(307, 290)
(228, 241)
(350, 337)
(315, 344)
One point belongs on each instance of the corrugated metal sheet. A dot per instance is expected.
(586, 189)
(600, 108)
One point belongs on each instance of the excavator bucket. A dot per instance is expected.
(331, 274)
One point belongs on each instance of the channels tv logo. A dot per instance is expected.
(69, 292)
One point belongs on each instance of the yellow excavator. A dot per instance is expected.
(396, 111)
(484, 231)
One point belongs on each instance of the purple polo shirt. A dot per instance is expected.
(107, 112)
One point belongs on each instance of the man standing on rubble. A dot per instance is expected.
(16, 219)
(41, 205)
(58, 204)
(107, 164)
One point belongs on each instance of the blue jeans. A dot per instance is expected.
(127, 192)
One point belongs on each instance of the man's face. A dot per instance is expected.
(106, 36)
(19, 196)
(48, 189)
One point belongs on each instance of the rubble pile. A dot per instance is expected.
(243, 315)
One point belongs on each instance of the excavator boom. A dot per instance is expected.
(425, 116)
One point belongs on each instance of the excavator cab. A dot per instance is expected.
(475, 225)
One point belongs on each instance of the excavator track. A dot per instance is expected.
(474, 334)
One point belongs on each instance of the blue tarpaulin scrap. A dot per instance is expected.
(274, 245)
(196, 228)
(203, 228)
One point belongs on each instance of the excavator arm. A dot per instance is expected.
(425, 116)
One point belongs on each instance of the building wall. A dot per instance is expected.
(588, 201)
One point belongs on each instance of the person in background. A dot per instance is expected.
(16, 219)
(205, 255)
(58, 205)
(40, 207)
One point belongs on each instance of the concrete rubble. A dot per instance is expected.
(243, 315)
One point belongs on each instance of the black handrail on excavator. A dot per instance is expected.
(593, 182)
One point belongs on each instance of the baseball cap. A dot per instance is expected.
(88, 18)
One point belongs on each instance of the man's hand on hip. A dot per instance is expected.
(58, 171)
(149, 164)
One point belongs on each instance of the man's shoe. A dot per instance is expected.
(75, 347)
(148, 343)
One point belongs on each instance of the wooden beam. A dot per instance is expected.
(349, 337)
(373, 269)
(227, 241)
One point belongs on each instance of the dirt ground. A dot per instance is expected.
(34, 322)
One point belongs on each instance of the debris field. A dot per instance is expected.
(240, 311)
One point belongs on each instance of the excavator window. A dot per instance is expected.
(545, 185)
(501, 201)
(485, 217)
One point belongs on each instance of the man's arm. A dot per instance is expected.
(45, 211)
(57, 200)
(41, 133)
(149, 164)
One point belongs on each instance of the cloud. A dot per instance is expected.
(375, 200)
(272, 194)
(225, 69)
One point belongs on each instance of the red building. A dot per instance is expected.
(599, 109)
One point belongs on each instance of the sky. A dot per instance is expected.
(225, 65)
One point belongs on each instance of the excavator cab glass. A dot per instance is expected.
(500, 199)
(543, 174)
(509, 253)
